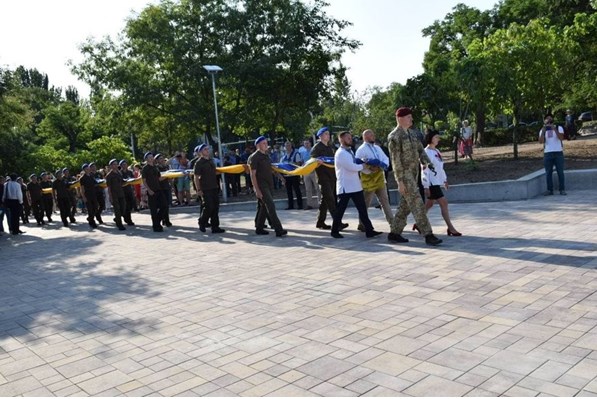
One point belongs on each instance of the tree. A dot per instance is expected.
(525, 66)
(278, 56)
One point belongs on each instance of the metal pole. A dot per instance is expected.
(221, 149)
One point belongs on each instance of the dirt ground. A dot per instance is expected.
(498, 163)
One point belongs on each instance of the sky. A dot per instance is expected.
(46, 34)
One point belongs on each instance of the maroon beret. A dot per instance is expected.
(403, 111)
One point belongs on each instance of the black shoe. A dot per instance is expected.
(100, 221)
(130, 223)
(218, 230)
(360, 227)
(202, 228)
(121, 228)
(397, 238)
(65, 224)
(337, 235)
(281, 233)
(207, 224)
(548, 192)
(73, 220)
(49, 220)
(373, 233)
(563, 192)
(343, 226)
(158, 229)
(39, 223)
(93, 225)
(323, 226)
(261, 232)
(168, 224)
(43, 222)
(430, 239)
(20, 232)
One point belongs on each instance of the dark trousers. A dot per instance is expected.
(92, 209)
(37, 209)
(551, 159)
(157, 204)
(48, 204)
(101, 203)
(119, 205)
(26, 212)
(294, 183)
(14, 212)
(167, 194)
(73, 206)
(129, 199)
(266, 209)
(328, 202)
(358, 199)
(210, 209)
(64, 207)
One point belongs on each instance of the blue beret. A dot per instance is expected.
(322, 131)
(158, 155)
(64, 170)
(148, 153)
(113, 160)
(32, 176)
(92, 164)
(42, 174)
(85, 166)
(122, 161)
(58, 172)
(259, 139)
(201, 147)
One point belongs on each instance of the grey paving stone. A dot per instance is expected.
(509, 311)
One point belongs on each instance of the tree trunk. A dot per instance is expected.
(480, 120)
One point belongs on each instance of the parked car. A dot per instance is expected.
(586, 116)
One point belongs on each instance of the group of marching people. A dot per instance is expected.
(342, 175)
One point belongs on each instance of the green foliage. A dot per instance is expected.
(278, 57)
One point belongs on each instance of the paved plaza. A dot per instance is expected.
(509, 309)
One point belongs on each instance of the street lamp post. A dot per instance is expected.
(212, 70)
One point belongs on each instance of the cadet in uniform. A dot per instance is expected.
(326, 178)
(35, 198)
(129, 193)
(47, 197)
(263, 183)
(208, 188)
(165, 188)
(72, 194)
(155, 196)
(88, 194)
(60, 191)
(114, 181)
(99, 193)
(26, 209)
(408, 154)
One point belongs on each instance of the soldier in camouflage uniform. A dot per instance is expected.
(407, 155)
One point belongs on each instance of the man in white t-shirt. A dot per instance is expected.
(551, 137)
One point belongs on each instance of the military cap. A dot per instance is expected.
(259, 139)
(403, 111)
(322, 131)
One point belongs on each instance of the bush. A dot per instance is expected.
(502, 136)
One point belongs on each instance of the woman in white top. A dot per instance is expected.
(433, 180)
(466, 140)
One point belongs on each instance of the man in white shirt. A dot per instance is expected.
(348, 186)
(13, 200)
(551, 137)
(373, 179)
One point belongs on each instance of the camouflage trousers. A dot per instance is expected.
(411, 203)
